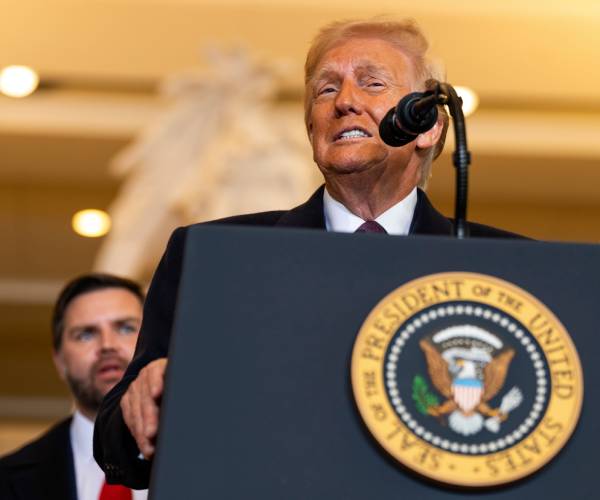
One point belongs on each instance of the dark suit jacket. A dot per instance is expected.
(114, 448)
(42, 470)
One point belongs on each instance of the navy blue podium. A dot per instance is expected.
(259, 401)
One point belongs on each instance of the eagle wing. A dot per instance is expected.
(494, 374)
(438, 369)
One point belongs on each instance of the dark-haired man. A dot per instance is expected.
(95, 326)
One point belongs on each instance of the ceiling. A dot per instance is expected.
(535, 138)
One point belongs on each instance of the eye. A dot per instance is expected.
(374, 84)
(327, 89)
(85, 335)
(127, 328)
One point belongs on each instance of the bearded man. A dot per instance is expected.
(95, 326)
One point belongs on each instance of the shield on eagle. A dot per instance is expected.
(467, 394)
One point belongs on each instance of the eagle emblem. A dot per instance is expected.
(451, 379)
(467, 365)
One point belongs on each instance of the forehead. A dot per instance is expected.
(105, 304)
(370, 54)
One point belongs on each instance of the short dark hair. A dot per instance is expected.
(85, 284)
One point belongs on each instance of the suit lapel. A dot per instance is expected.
(59, 471)
(46, 471)
(307, 215)
(427, 220)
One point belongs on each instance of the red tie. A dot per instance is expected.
(114, 492)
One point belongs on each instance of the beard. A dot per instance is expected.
(87, 391)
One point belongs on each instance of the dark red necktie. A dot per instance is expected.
(114, 492)
(370, 226)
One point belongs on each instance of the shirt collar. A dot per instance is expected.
(82, 435)
(395, 220)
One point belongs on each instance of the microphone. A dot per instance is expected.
(415, 113)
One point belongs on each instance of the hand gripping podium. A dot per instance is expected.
(312, 365)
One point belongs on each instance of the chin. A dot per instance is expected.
(105, 387)
(350, 162)
(348, 167)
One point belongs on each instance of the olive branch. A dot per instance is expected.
(421, 395)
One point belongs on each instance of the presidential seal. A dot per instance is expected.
(467, 379)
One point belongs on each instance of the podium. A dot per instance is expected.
(268, 395)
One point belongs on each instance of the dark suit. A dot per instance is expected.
(41, 470)
(114, 448)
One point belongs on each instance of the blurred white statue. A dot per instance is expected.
(222, 147)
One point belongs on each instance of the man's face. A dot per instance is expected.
(355, 85)
(98, 341)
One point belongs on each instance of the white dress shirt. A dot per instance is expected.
(395, 220)
(88, 475)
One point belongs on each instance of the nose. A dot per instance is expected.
(348, 100)
(107, 340)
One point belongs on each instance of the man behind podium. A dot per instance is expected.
(95, 326)
(355, 72)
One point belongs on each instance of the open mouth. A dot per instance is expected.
(110, 369)
(352, 133)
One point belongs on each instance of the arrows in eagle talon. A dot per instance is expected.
(511, 400)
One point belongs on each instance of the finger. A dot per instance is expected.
(134, 398)
(127, 408)
(156, 378)
(148, 451)
(147, 404)
(136, 418)
(149, 411)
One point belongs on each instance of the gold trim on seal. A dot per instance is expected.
(511, 463)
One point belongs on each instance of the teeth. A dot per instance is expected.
(353, 133)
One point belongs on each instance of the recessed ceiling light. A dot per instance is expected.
(469, 98)
(91, 223)
(18, 81)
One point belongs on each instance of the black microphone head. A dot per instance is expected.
(417, 112)
(391, 134)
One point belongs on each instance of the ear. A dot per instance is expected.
(309, 128)
(432, 136)
(59, 364)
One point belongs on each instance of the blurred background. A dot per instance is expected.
(166, 112)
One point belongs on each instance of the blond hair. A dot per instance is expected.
(406, 36)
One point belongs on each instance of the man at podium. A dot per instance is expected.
(354, 73)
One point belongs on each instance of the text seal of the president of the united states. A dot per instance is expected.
(467, 379)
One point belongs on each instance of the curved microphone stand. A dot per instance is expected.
(461, 157)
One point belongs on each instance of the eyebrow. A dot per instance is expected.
(370, 67)
(83, 326)
(325, 74)
(127, 319)
(329, 73)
